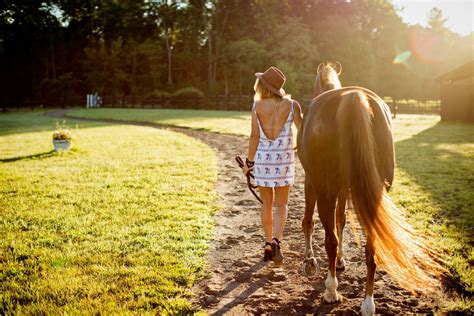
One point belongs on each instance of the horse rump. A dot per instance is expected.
(398, 248)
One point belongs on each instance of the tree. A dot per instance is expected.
(436, 20)
(290, 45)
(146, 47)
(103, 67)
(166, 15)
(28, 35)
(242, 59)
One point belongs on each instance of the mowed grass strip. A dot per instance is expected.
(228, 122)
(434, 181)
(118, 225)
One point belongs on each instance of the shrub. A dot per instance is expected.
(158, 93)
(188, 92)
(61, 133)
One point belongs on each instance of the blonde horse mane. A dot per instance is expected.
(329, 76)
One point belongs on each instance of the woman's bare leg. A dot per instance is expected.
(281, 210)
(266, 194)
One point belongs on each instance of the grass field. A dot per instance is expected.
(434, 180)
(106, 238)
(229, 122)
(120, 224)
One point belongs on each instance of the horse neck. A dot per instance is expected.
(332, 86)
(333, 83)
(331, 78)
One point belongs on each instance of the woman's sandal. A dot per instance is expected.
(268, 252)
(276, 251)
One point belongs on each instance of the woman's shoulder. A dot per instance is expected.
(271, 102)
(291, 100)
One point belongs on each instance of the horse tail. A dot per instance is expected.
(398, 248)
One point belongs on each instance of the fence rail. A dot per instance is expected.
(220, 102)
(235, 103)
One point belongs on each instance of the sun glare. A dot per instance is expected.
(459, 13)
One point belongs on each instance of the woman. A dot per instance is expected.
(271, 154)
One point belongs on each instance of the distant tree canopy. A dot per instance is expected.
(54, 50)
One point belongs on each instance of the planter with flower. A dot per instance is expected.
(61, 138)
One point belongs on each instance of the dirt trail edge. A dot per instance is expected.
(240, 283)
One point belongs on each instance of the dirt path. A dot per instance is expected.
(240, 283)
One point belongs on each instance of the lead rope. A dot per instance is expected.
(249, 175)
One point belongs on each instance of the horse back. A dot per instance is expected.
(318, 140)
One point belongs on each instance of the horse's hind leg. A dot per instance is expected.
(308, 222)
(327, 210)
(309, 266)
(340, 223)
(368, 306)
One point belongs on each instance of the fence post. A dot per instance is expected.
(394, 107)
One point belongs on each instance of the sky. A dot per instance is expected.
(460, 13)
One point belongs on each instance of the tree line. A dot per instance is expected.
(58, 51)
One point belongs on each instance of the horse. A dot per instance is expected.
(346, 148)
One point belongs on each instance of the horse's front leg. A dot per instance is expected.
(309, 266)
(327, 214)
(340, 223)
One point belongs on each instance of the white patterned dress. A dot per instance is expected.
(275, 159)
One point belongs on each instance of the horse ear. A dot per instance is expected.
(338, 68)
(320, 68)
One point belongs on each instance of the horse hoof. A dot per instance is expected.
(309, 268)
(331, 297)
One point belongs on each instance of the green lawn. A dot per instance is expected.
(434, 182)
(230, 122)
(434, 176)
(120, 224)
(125, 229)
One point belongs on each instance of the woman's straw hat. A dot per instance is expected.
(273, 79)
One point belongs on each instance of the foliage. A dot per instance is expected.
(293, 84)
(241, 58)
(188, 92)
(62, 132)
(158, 93)
(102, 63)
(119, 226)
(65, 48)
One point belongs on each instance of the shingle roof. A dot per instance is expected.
(462, 72)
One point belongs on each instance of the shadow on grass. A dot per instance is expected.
(42, 155)
(439, 160)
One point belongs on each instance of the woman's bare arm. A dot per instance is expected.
(297, 115)
(254, 137)
(253, 141)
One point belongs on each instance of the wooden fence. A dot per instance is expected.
(220, 102)
(226, 103)
(244, 103)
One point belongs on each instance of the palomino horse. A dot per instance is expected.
(346, 147)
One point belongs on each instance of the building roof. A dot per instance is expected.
(463, 72)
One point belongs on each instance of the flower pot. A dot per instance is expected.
(61, 145)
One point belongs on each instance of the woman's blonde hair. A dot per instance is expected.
(261, 92)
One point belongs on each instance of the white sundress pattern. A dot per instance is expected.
(275, 159)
